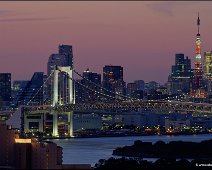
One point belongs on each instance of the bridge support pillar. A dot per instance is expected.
(70, 124)
(55, 88)
(71, 98)
(55, 124)
(70, 84)
(55, 102)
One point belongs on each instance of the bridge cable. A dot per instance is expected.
(40, 88)
(88, 87)
(105, 88)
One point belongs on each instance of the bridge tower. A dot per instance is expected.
(71, 98)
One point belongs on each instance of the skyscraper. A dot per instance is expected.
(32, 92)
(140, 84)
(90, 80)
(67, 51)
(131, 89)
(18, 87)
(182, 67)
(208, 65)
(181, 75)
(5, 87)
(113, 80)
(64, 57)
(208, 73)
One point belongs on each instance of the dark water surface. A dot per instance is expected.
(90, 150)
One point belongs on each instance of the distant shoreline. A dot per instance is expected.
(125, 135)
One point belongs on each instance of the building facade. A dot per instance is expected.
(180, 79)
(21, 153)
(113, 81)
(5, 87)
(91, 87)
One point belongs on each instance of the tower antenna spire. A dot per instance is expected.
(198, 22)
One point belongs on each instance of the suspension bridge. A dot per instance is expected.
(67, 104)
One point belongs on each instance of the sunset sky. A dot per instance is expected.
(143, 37)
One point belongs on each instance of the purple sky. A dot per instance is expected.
(143, 37)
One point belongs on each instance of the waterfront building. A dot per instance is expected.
(5, 88)
(113, 80)
(202, 123)
(177, 125)
(145, 118)
(7, 136)
(87, 121)
(43, 123)
(19, 153)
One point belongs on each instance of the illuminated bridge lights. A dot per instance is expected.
(166, 106)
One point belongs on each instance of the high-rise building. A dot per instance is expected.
(93, 82)
(136, 89)
(67, 51)
(5, 87)
(18, 86)
(140, 84)
(32, 92)
(131, 89)
(182, 67)
(113, 80)
(181, 75)
(151, 86)
(64, 57)
(208, 65)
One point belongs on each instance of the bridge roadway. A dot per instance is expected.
(170, 106)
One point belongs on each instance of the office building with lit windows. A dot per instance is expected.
(31, 92)
(113, 80)
(180, 80)
(18, 87)
(207, 68)
(64, 57)
(21, 153)
(91, 87)
(5, 87)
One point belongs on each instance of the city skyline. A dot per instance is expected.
(146, 34)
